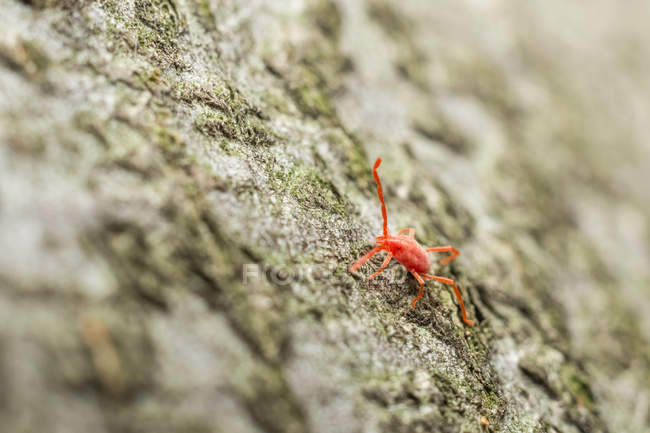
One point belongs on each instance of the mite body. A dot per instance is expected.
(406, 250)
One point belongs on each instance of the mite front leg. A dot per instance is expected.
(456, 291)
(455, 253)
(411, 233)
(365, 258)
(383, 265)
(421, 281)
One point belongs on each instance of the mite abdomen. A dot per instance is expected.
(409, 253)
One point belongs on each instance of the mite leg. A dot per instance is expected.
(381, 196)
(421, 281)
(365, 258)
(383, 265)
(455, 253)
(411, 232)
(456, 291)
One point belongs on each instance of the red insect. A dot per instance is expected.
(406, 250)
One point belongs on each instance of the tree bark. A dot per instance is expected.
(186, 182)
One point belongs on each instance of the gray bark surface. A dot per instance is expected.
(155, 154)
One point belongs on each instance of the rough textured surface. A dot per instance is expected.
(151, 149)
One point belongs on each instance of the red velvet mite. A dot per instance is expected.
(405, 249)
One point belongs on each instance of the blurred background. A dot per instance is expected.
(151, 149)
